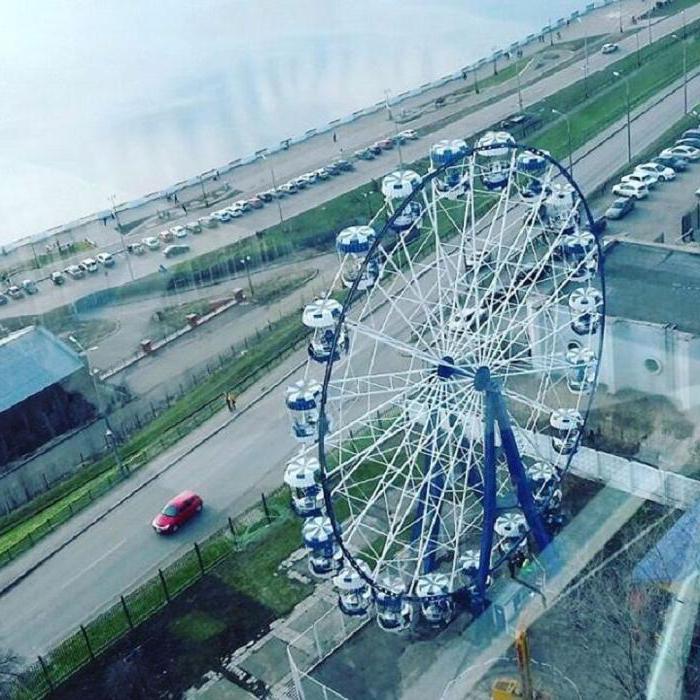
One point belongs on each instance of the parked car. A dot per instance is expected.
(398, 139)
(88, 265)
(344, 165)
(384, 144)
(267, 195)
(151, 242)
(193, 227)
(675, 162)
(222, 216)
(288, 188)
(166, 236)
(630, 189)
(691, 134)
(243, 204)
(411, 134)
(57, 278)
(642, 178)
(375, 149)
(171, 251)
(256, 202)
(29, 287)
(300, 182)
(322, 174)
(687, 152)
(688, 141)
(609, 48)
(663, 173)
(179, 231)
(106, 259)
(620, 208)
(75, 272)
(14, 292)
(234, 211)
(365, 154)
(177, 512)
(3, 300)
(209, 221)
(307, 178)
(136, 248)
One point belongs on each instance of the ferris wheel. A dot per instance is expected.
(448, 388)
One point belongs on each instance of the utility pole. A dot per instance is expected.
(115, 213)
(639, 55)
(568, 137)
(246, 264)
(277, 194)
(476, 82)
(629, 127)
(520, 90)
(685, 73)
(619, 13)
(204, 192)
(390, 116)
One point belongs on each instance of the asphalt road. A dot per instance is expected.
(231, 469)
(315, 154)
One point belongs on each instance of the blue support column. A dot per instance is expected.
(489, 496)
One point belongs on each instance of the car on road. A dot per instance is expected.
(234, 212)
(177, 511)
(75, 272)
(630, 189)
(384, 144)
(642, 178)
(209, 221)
(300, 182)
(166, 236)
(619, 208)
(322, 174)
(398, 140)
(691, 134)
(288, 188)
(243, 204)
(15, 292)
(151, 242)
(609, 48)
(663, 173)
(29, 286)
(256, 202)
(170, 251)
(106, 259)
(193, 227)
(136, 248)
(375, 149)
(179, 231)
(365, 154)
(222, 216)
(57, 278)
(3, 300)
(343, 165)
(88, 265)
(675, 162)
(267, 195)
(693, 141)
(410, 134)
(687, 152)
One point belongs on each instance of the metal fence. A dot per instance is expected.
(139, 604)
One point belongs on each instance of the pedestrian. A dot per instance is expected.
(227, 399)
(232, 401)
(335, 137)
(184, 208)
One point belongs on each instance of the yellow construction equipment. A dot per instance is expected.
(522, 688)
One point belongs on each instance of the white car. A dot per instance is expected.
(151, 242)
(106, 259)
(306, 179)
(641, 178)
(209, 221)
(683, 151)
(609, 48)
(409, 134)
(663, 173)
(222, 216)
(166, 236)
(630, 189)
(88, 265)
(234, 211)
(179, 231)
(193, 227)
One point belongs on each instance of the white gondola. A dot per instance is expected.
(561, 213)
(565, 425)
(322, 315)
(325, 556)
(580, 377)
(396, 187)
(510, 527)
(354, 594)
(353, 244)
(302, 400)
(302, 477)
(494, 152)
(584, 270)
(394, 612)
(436, 605)
(469, 567)
(452, 182)
(544, 477)
(585, 307)
(531, 163)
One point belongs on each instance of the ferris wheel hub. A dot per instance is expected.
(482, 378)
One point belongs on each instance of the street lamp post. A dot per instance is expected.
(629, 126)
(585, 63)
(204, 192)
(246, 264)
(619, 13)
(274, 187)
(111, 442)
(568, 138)
(476, 81)
(685, 74)
(639, 55)
(390, 116)
(520, 90)
(551, 38)
(115, 213)
(649, 25)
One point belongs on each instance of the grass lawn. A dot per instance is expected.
(196, 626)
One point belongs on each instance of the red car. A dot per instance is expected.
(177, 512)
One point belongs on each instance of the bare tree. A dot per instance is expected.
(10, 673)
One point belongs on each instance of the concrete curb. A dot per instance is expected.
(25, 574)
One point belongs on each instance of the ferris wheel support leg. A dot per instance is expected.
(489, 501)
(517, 473)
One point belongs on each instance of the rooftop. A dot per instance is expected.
(653, 284)
(31, 360)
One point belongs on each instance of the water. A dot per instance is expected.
(126, 97)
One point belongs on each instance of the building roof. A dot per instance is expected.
(653, 284)
(676, 555)
(31, 360)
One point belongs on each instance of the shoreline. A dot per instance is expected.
(216, 174)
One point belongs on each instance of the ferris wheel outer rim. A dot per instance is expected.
(352, 295)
